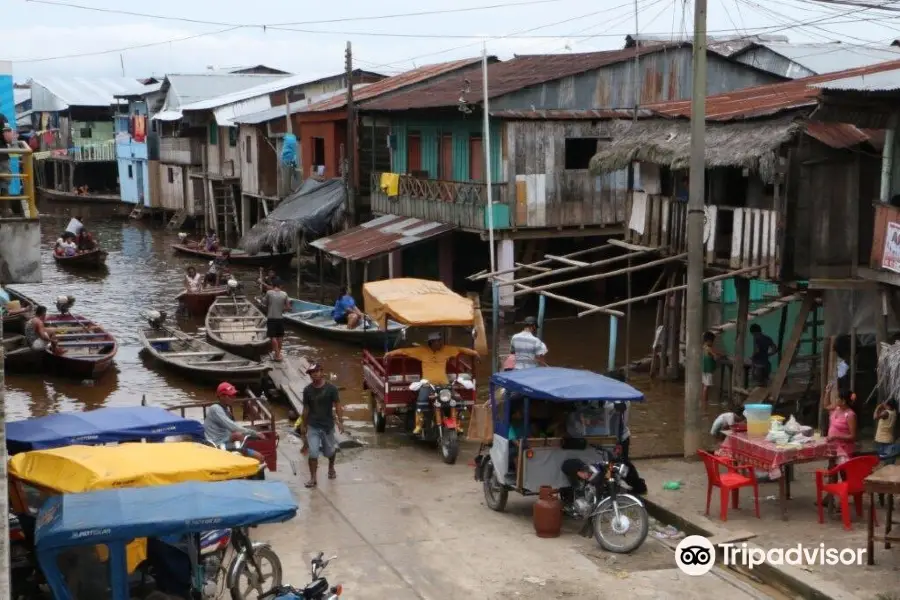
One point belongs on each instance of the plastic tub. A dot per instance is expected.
(758, 417)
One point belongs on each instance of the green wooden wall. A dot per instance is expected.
(430, 132)
(101, 131)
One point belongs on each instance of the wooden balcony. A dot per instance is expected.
(454, 202)
(733, 237)
(94, 152)
(180, 151)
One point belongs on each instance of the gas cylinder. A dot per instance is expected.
(547, 513)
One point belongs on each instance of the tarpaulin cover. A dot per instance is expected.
(75, 469)
(557, 383)
(417, 302)
(289, 150)
(859, 309)
(308, 211)
(124, 514)
(101, 426)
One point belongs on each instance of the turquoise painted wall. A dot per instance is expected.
(769, 324)
(759, 291)
(430, 132)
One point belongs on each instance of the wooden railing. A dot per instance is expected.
(95, 151)
(458, 203)
(733, 237)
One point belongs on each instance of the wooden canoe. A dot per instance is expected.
(239, 258)
(89, 259)
(236, 325)
(198, 359)
(14, 321)
(90, 349)
(18, 357)
(196, 304)
(317, 318)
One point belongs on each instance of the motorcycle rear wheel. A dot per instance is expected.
(495, 495)
(604, 532)
(271, 578)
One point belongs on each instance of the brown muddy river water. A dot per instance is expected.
(144, 273)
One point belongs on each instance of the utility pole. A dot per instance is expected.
(696, 213)
(351, 141)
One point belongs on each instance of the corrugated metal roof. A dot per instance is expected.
(277, 112)
(725, 45)
(143, 90)
(184, 89)
(767, 99)
(225, 115)
(506, 77)
(380, 236)
(828, 57)
(21, 95)
(264, 89)
(397, 83)
(52, 94)
(885, 81)
(570, 115)
(837, 135)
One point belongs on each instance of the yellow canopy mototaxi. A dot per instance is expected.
(36, 475)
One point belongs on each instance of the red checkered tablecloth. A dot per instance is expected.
(761, 454)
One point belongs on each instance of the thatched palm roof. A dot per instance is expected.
(751, 145)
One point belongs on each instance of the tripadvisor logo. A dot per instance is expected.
(695, 555)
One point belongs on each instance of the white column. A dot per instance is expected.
(506, 257)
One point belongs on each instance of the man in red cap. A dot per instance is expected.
(321, 412)
(219, 426)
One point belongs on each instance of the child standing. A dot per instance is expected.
(885, 419)
(711, 358)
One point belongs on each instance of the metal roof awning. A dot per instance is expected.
(380, 236)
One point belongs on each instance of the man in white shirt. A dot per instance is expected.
(527, 348)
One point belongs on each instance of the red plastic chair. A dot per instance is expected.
(853, 471)
(732, 480)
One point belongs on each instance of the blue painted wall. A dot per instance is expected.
(132, 158)
(430, 132)
(8, 109)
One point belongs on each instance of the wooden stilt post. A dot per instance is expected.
(824, 395)
(782, 325)
(668, 301)
(793, 342)
(674, 334)
(628, 324)
(738, 370)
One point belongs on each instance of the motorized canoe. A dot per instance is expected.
(89, 259)
(236, 325)
(197, 359)
(89, 348)
(16, 315)
(317, 318)
(18, 357)
(197, 303)
(239, 258)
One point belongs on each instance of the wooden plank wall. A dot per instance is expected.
(548, 195)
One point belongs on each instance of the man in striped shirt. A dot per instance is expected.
(528, 349)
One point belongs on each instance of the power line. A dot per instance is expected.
(272, 25)
(115, 50)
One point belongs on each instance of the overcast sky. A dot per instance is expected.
(38, 31)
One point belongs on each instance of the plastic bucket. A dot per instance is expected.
(758, 418)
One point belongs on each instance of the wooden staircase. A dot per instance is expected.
(228, 224)
(137, 213)
(177, 220)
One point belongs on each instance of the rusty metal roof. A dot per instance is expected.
(395, 83)
(837, 135)
(570, 115)
(507, 77)
(769, 99)
(380, 236)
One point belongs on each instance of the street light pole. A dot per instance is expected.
(696, 213)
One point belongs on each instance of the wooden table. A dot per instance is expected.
(759, 453)
(885, 480)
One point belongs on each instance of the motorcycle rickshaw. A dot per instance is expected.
(73, 529)
(36, 476)
(550, 428)
(393, 381)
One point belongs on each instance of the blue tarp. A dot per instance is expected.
(556, 383)
(101, 426)
(128, 513)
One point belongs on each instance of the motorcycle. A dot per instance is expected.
(449, 410)
(229, 557)
(238, 448)
(317, 589)
(599, 497)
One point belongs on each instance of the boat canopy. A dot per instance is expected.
(76, 469)
(125, 514)
(417, 303)
(101, 426)
(566, 385)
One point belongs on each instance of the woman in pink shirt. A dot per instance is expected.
(842, 426)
